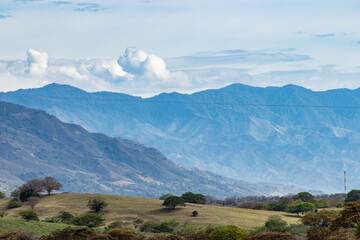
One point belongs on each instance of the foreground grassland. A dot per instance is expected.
(128, 209)
(41, 228)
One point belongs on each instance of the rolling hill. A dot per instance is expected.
(34, 144)
(128, 209)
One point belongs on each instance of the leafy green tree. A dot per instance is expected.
(305, 197)
(300, 207)
(90, 220)
(50, 184)
(194, 198)
(276, 224)
(352, 196)
(29, 215)
(2, 195)
(195, 213)
(229, 232)
(97, 205)
(173, 202)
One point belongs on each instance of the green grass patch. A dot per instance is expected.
(41, 228)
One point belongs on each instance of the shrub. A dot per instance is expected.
(90, 220)
(229, 232)
(200, 235)
(66, 217)
(276, 224)
(29, 215)
(137, 222)
(147, 227)
(96, 205)
(195, 213)
(167, 226)
(14, 203)
(75, 233)
(317, 233)
(319, 219)
(164, 237)
(119, 234)
(348, 217)
(272, 236)
(3, 214)
(189, 229)
(163, 227)
(17, 235)
(340, 205)
(298, 229)
(117, 224)
(52, 219)
(342, 234)
(2, 195)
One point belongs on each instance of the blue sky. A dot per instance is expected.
(180, 46)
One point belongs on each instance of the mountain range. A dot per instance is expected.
(34, 144)
(289, 135)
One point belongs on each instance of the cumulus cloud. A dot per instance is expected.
(136, 61)
(38, 61)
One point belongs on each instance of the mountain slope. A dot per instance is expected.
(287, 134)
(35, 144)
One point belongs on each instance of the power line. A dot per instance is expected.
(144, 101)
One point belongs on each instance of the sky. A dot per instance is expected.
(145, 47)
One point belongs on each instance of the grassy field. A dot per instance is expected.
(127, 209)
(41, 228)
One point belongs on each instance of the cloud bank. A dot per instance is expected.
(140, 73)
(135, 72)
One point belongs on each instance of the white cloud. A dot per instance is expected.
(71, 72)
(38, 61)
(139, 62)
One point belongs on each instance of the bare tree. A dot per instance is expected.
(32, 201)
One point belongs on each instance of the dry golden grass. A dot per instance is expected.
(127, 209)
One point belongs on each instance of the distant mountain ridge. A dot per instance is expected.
(34, 144)
(289, 134)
